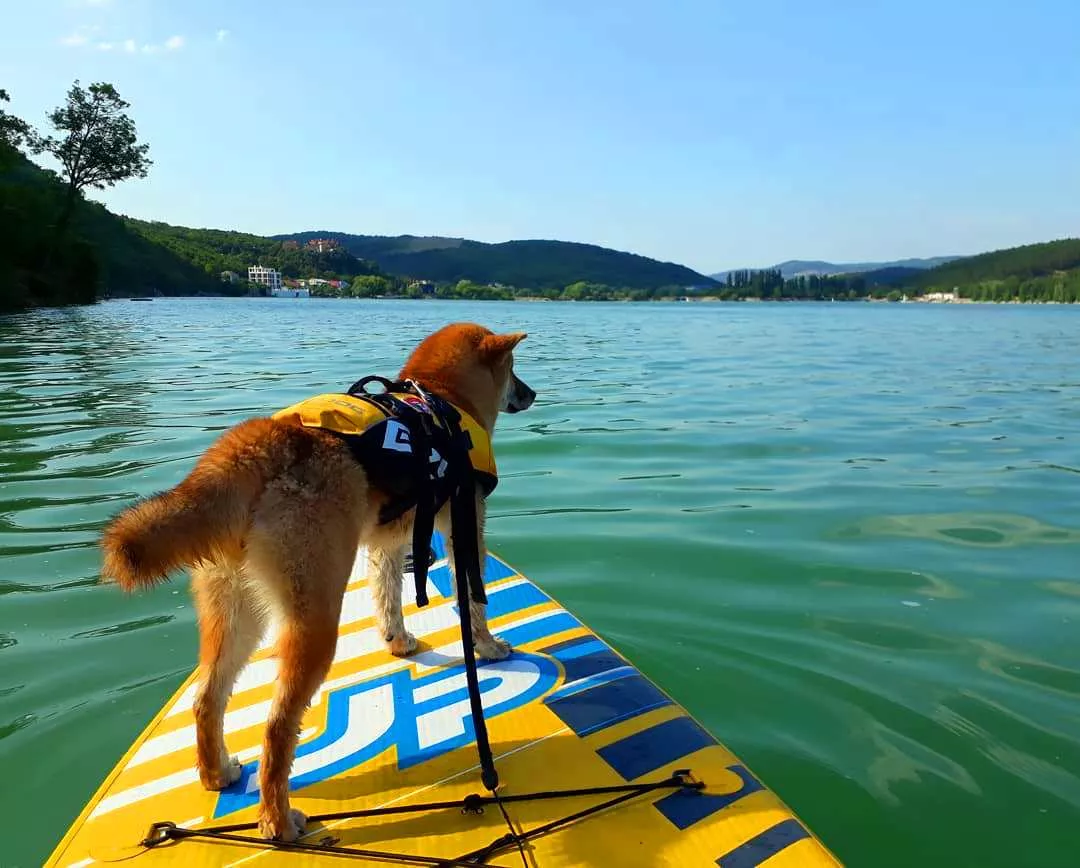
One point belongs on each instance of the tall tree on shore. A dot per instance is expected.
(13, 132)
(95, 142)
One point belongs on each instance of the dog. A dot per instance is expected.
(269, 522)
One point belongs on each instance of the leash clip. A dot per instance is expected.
(159, 833)
(360, 386)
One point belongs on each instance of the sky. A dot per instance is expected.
(713, 133)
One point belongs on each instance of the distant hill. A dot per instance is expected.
(1049, 271)
(376, 247)
(218, 250)
(807, 267)
(531, 264)
(891, 275)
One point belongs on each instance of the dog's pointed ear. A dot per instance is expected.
(493, 347)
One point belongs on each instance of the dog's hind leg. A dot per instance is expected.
(384, 578)
(230, 627)
(306, 649)
(302, 562)
(488, 646)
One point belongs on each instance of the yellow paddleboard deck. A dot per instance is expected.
(564, 711)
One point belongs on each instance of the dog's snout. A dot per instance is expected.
(521, 396)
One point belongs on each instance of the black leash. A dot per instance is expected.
(455, 470)
(469, 575)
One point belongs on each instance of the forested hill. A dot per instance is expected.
(1023, 263)
(218, 250)
(100, 255)
(533, 264)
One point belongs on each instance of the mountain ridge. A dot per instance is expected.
(797, 267)
(534, 263)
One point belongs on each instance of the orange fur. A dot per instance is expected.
(269, 520)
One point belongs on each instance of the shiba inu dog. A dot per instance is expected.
(269, 521)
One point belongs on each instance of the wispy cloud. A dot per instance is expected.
(84, 37)
(222, 35)
(79, 38)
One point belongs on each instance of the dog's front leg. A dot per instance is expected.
(385, 577)
(488, 646)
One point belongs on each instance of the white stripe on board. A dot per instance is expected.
(184, 737)
(351, 645)
(370, 715)
(170, 782)
(251, 715)
(356, 605)
(514, 677)
(160, 785)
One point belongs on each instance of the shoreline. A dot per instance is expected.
(704, 299)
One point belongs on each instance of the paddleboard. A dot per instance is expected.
(564, 711)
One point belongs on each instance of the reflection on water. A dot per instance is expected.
(978, 529)
(858, 571)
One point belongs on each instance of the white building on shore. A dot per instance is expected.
(268, 277)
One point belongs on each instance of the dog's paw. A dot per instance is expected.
(289, 830)
(233, 769)
(219, 779)
(403, 644)
(492, 648)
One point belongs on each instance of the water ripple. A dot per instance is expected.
(818, 526)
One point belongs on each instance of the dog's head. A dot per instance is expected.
(473, 367)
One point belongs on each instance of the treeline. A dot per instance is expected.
(1063, 288)
(216, 251)
(1037, 272)
(389, 286)
(38, 267)
(39, 264)
(769, 283)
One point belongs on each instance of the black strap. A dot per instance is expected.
(424, 518)
(518, 840)
(469, 575)
(163, 832)
(420, 436)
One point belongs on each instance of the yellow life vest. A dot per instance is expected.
(356, 418)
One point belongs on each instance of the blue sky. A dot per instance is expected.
(707, 132)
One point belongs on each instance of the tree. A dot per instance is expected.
(13, 132)
(96, 143)
(371, 285)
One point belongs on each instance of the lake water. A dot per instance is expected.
(858, 524)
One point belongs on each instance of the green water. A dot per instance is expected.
(846, 537)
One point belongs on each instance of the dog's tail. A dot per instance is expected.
(204, 517)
